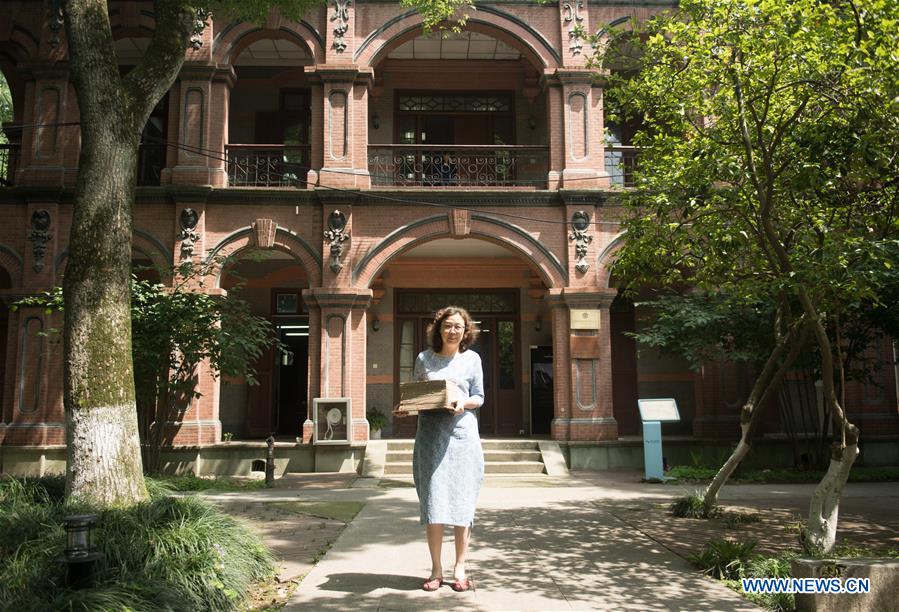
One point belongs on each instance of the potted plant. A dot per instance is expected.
(376, 422)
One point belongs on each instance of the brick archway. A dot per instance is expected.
(489, 20)
(483, 227)
(285, 241)
(606, 258)
(234, 39)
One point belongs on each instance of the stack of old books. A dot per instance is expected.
(427, 395)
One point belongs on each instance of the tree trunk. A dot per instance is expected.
(767, 381)
(104, 459)
(824, 509)
(821, 527)
(101, 413)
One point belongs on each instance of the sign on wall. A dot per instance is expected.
(584, 318)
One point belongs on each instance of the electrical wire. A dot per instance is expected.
(218, 156)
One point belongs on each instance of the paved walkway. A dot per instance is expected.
(551, 544)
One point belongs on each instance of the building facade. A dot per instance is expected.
(382, 172)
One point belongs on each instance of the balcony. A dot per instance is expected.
(9, 160)
(267, 165)
(413, 165)
(621, 161)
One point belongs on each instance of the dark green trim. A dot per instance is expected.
(166, 253)
(14, 255)
(528, 239)
(316, 257)
(523, 24)
(389, 239)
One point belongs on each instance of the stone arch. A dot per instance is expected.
(236, 37)
(18, 50)
(483, 227)
(606, 258)
(489, 20)
(285, 241)
(13, 264)
(146, 243)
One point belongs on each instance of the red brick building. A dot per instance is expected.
(385, 173)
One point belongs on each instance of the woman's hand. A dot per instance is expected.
(459, 406)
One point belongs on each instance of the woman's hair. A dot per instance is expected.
(468, 338)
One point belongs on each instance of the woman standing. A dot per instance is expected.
(448, 462)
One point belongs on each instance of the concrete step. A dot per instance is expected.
(400, 468)
(509, 444)
(514, 467)
(487, 444)
(489, 456)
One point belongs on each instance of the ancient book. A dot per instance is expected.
(426, 395)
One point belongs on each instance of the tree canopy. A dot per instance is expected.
(767, 168)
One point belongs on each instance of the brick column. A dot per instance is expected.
(342, 103)
(34, 357)
(342, 340)
(590, 353)
(50, 149)
(561, 423)
(200, 131)
(344, 131)
(575, 109)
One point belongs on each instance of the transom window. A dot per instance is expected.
(456, 103)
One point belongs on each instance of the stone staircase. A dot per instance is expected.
(501, 457)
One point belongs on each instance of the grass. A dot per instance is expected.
(163, 554)
(190, 483)
(729, 561)
(691, 473)
(692, 506)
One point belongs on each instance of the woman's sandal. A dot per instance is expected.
(431, 584)
(461, 585)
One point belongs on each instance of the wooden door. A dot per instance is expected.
(261, 397)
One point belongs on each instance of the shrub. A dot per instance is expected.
(692, 506)
(376, 419)
(164, 554)
(724, 559)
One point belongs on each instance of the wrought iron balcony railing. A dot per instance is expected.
(401, 165)
(264, 165)
(621, 161)
(9, 161)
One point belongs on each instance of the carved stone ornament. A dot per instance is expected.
(336, 235)
(264, 231)
(189, 234)
(196, 38)
(39, 236)
(580, 221)
(571, 14)
(342, 17)
(55, 22)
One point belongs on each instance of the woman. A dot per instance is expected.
(448, 462)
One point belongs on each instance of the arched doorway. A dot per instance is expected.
(271, 282)
(503, 293)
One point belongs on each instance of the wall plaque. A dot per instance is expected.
(584, 318)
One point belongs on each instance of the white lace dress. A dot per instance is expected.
(448, 461)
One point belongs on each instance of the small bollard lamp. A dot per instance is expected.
(270, 462)
(80, 554)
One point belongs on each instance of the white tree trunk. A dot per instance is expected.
(825, 505)
(103, 468)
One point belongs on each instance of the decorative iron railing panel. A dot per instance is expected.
(458, 165)
(9, 161)
(621, 161)
(253, 165)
